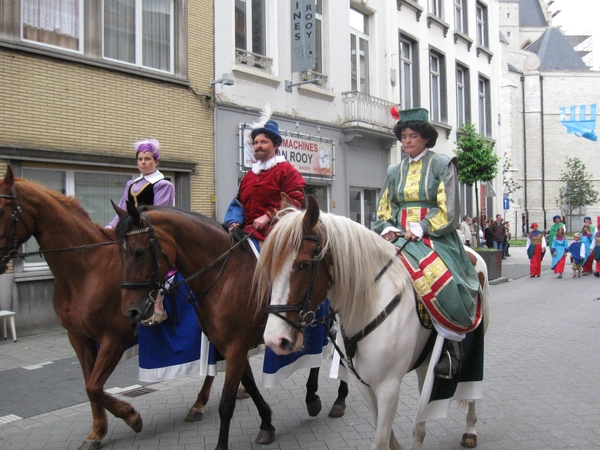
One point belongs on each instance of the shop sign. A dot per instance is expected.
(313, 156)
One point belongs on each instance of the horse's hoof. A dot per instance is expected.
(194, 415)
(314, 408)
(265, 437)
(138, 424)
(469, 440)
(337, 410)
(90, 445)
(242, 393)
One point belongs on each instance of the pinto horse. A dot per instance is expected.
(85, 262)
(154, 239)
(310, 256)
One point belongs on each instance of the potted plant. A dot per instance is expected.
(493, 261)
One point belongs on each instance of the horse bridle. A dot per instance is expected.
(16, 214)
(307, 317)
(154, 284)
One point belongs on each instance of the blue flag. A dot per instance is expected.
(580, 124)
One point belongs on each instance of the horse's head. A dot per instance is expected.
(293, 262)
(14, 228)
(145, 263)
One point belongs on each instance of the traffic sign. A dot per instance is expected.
(506, 203)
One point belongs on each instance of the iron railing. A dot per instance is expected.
(253, 60)
(359, 107)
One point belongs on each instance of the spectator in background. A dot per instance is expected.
(498, 233)
(466, 230)
(507, 237)
(474, 232)
(487, 233)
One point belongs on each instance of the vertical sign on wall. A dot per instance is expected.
(303, 35)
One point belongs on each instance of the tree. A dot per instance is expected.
(476, 159)
(578, 190)
(510, 185)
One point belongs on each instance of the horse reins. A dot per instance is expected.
(14, 253)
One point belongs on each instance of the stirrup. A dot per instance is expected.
(155, 319)
(448, 375)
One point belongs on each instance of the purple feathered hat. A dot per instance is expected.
(148, 145)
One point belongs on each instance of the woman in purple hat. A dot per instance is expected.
(149, 188)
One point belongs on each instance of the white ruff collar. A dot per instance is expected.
(152, 178)
(259, 166)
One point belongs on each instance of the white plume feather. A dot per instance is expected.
(265, 115)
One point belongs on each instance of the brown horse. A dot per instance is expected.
(87, 292)
(220, 276)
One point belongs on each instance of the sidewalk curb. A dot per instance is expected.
(500, 280)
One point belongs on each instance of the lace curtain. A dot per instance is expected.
(120, 32)
(58, 16)
(53, 22)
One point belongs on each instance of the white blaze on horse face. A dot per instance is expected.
(278, 331)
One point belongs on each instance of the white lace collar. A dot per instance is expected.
(152, 178)
(259, 166)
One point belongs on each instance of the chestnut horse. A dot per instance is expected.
(219, 274)
(313, 255)
(87, 294)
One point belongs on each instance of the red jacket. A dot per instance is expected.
(261, 194)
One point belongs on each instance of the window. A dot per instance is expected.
(359, 51)
(460, 16)
(437, 85)
(435, 8)
(363, 206)
(139, 32)
(56, 23)
(127, 34)
(485, 108)
(482, 25)
(463, 110)
(409, 73)
(94, 190)
(250, 26)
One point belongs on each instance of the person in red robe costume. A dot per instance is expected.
(260, 190)
(536, 247)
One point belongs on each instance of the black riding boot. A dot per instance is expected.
(450, 359)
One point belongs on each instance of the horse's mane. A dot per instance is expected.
(71, 203)
(125, 224)
(357, 256)
(31, 190)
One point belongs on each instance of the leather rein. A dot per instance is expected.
(17, 216)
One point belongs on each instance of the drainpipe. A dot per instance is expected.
(542, 142)
(524, 156)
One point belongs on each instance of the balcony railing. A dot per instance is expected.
(359, 107)
(307, 75)
(253, 60)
